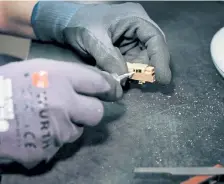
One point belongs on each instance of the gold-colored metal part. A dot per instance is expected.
(142, 72)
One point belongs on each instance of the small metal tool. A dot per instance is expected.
(121, 78)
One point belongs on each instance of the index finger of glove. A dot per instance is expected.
(107, 56)
(91, 81)
(100, 47)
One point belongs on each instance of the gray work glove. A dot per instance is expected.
(45, 104)
(111, 34)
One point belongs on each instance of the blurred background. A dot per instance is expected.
(14, 46)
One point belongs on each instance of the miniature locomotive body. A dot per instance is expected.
(142, 72)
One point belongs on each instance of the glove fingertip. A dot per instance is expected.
(115, 92)
(163, 77)
(119, 91)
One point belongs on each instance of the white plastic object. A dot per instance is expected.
(217, 51)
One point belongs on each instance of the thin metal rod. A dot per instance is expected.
(180, 170)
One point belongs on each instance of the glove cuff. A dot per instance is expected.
(50, 18)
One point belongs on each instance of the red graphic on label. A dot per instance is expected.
(40, 79)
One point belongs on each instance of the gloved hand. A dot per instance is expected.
(111, 34)
(45, 104)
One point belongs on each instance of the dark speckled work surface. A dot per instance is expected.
(177, 125)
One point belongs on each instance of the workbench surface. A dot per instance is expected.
(181, 124)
